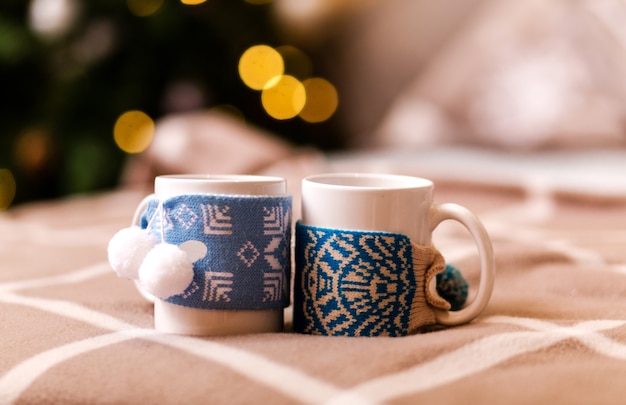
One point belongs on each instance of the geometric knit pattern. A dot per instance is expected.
(362, 283)
(246, 263)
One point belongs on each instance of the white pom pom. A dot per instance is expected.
(166, 271)
(127, 249)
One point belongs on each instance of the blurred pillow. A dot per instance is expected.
(521, 75)
(507, 73)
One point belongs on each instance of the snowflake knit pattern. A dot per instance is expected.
(363, 283)
(246, 263)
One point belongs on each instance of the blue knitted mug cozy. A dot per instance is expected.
(366, 283)
(247, 238)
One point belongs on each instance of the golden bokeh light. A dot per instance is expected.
(258, 65)
(7, 189)
(133, 131)
(192, 2)
(283, 97)
(321, 100)
(144, 8)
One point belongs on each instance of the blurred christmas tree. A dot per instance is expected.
(70, 68)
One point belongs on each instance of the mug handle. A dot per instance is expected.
(140, 209)
(137, 222)
(440, 213)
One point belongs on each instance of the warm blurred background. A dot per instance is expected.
(70, 68)
(84, 82)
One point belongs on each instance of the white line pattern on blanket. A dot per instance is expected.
(282, 378)
(20, 377)
(484, 354)
(476, 357)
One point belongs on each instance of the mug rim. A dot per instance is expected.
(367, 181)
(218, 178)
(169, 185)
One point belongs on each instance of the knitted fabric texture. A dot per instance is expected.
(246, 263)
(358, 283)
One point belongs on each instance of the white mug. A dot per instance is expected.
(396, 204)
(180, 319)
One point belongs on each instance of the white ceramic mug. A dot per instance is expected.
(179, 319)
(397, 204)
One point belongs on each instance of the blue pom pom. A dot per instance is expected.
(452, 286)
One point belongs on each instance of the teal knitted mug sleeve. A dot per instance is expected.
(353, 283)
